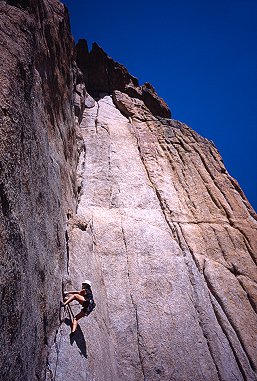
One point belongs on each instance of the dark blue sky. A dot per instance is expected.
(201, 57)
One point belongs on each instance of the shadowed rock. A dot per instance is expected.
(38, 156)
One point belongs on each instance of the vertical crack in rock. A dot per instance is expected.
(216, 201)
(96, 118)
(179, 155)
(224, 254)
(249, 297)
(57, 345)
(67, 250)
(220, 321)
(139, 337)
(80, 170)
(237, 333)
(185, 248)
(247, 242)
(218, 188)
(158, 195)
(184, 183)
(94, 244)
(241, 193)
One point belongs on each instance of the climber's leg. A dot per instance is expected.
(80, 315)
(70, 299)
(77, 297)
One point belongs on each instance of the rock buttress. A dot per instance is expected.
(37, 179)
(169, 241)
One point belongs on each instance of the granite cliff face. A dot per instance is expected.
(38, 157)
(169, 241)
(154, 220)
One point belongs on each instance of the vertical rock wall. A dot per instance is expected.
(169, 242)
(164, 233)
(37, 179)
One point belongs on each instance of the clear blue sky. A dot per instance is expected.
(201, 57)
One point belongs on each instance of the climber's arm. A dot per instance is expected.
(71, 292)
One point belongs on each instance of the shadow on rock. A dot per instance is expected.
(78, 337)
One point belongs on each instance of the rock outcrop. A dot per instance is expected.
(103, 75)
(154, 220)
(169, 241)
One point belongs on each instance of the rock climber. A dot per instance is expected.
(85, 298)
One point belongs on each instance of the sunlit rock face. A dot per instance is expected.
(169, 241)
(157, 224)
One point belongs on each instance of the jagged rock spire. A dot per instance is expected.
(103, 75)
